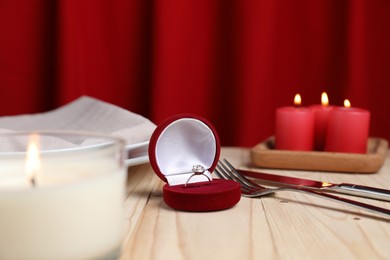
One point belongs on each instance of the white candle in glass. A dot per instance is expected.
(74, 210)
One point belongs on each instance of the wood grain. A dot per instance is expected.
(285, 226)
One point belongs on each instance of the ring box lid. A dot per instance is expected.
(181, 142)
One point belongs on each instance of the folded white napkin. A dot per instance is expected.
(92, 115)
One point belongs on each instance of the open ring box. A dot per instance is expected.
(176, 146)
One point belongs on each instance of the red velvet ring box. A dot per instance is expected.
(176, 146)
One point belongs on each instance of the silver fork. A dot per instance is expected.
(226, 170)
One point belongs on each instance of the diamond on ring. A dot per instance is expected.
(198, 169)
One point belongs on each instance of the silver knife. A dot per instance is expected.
(344, 188)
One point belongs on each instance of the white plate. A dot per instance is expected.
(137, 153)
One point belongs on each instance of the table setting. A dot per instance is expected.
(90, 180)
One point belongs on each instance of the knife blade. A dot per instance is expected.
(344, 188)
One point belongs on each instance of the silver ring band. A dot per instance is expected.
(197, 170)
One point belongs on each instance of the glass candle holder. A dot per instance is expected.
(61, 195)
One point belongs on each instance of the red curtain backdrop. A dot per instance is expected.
(233, 62)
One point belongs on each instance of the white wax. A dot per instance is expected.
(74, 212)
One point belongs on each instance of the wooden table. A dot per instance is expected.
(287, 225)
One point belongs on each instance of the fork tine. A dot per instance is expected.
(223, 172)
(220, 174)
(239, 176)
(244, 189)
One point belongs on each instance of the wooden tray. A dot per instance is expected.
(264, 155)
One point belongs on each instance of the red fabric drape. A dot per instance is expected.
(233, 62)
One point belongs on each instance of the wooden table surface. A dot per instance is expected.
(287, 225)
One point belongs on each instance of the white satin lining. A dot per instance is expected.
(181, 145)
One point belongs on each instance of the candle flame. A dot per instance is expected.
(33, 161)
(297, 100)
(324, 99)
(347, 103)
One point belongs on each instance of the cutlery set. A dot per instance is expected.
(326, 190)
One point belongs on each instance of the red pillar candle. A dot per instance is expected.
(348, 129)
(321, 118)
(294, 127)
